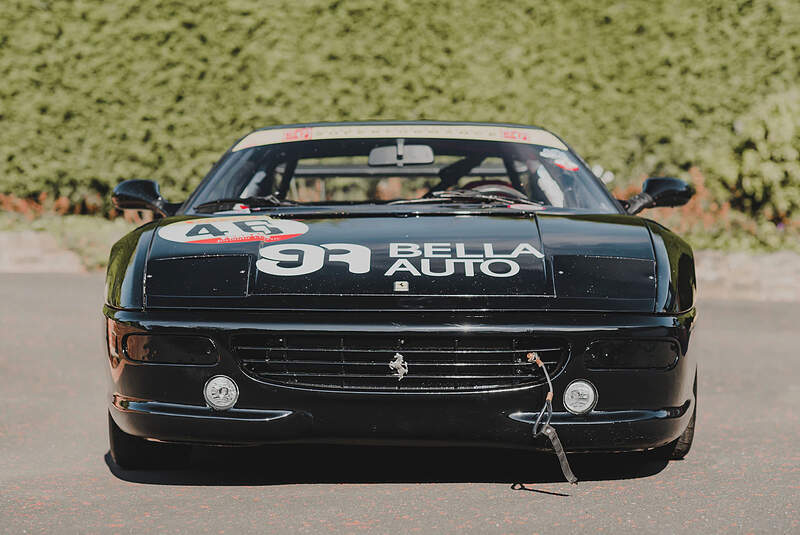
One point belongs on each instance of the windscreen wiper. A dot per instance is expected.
(467, 196)
(251, 202)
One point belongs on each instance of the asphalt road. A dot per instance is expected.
(743, 474)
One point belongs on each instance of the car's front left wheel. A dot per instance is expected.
(132, 453)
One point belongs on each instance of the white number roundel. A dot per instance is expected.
(236, 229)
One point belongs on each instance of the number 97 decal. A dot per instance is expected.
(293, 259)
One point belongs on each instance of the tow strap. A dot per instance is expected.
(542, 425)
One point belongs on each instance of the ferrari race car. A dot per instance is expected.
(419, 283)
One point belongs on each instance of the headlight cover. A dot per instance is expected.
(170, 349)
(631, 353)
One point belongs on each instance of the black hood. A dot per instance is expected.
(491, 261)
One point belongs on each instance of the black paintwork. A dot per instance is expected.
(677, 284)
(564, 237)
(600, 277)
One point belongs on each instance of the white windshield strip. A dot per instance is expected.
(527, 136)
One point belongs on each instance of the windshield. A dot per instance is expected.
(398, 170)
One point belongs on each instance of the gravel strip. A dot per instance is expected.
(754, 277)
(28, 251)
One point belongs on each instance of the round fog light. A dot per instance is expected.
(221, 392)
(580, 397)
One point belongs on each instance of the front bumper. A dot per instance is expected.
(637, 409)
(599, 431)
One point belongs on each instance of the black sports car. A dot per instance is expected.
(400, 283)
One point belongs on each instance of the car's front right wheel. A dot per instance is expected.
(132, 453)
(678, 448)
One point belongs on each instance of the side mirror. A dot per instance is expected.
(660, 191)
(142, 195)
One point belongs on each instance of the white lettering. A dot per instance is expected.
(522, 248)
(437, 250)
(293, 259)
(397, 250)
(469, 265)
(402, 265)
(449, 268)
(461, 253)
(513, 268)
(526, 248)
(357, 257)
(311, 259)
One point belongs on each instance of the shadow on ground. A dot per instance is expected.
(280, 465)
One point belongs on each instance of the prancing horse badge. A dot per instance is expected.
(398, 364)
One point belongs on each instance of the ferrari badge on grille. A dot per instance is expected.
(399, 365)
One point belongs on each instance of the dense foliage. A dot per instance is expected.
(761, 170)
(93, 92)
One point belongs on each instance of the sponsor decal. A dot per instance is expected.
(293, 259)
(446, 259)
(560, 159)
(520, 136)
(415, 259)
(240, 229)
(297, 134)
(271, 136)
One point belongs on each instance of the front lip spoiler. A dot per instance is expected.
(605, 417)
(125, 404)
(625, 430)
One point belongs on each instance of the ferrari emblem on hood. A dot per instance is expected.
(399, 365)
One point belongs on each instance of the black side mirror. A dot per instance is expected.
(660, 191)
(142, 195)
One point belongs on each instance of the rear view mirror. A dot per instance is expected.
(142, 195)
(660, 191)
(400, 155)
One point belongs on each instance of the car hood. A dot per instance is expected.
(432, 262)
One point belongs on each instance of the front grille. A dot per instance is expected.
(436, 363)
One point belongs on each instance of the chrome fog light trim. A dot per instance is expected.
(580, 396)
(221, 392)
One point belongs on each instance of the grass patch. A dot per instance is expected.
(89, 236)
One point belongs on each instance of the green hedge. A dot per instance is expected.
(760, 172)
(93, 92)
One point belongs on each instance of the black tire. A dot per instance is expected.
(132, 453)
(678, 448)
